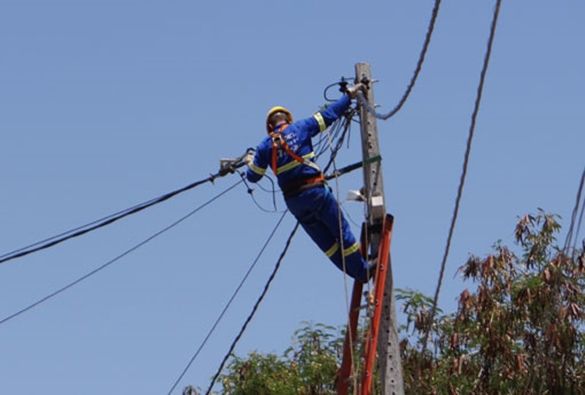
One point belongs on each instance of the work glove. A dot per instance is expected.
(249, 158)
(353, 91)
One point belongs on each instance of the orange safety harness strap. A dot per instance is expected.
(295, 187)
(279, 142)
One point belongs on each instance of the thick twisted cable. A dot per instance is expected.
(82, 230)
(484, 69)
(110, 262)
(421, 59)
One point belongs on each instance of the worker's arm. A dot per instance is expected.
(326, 117)
(256, 165)
(332, 113)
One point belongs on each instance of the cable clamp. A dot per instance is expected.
(227, 166)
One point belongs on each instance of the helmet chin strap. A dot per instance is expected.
(278, 126)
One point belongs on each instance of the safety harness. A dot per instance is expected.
(296, 187)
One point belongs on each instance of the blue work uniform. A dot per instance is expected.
(311, 202)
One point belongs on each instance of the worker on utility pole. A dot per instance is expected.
(288, 150)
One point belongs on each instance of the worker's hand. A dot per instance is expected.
(249, 158)
(353, 91)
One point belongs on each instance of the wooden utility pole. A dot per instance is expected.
(389, 361)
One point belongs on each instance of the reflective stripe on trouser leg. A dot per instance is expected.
(330, 252)
(355, 266)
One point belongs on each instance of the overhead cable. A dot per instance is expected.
(569, 240)
(420, 62)
(79, 231)
(463, 175)
(243, 329)
(105, 265)
(228, 304)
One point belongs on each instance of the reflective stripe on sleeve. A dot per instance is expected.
(319, 118)
(256, 169)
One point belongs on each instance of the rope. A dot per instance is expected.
(217, 321)
(243, 329)
(462, 180)
(340, 229)
(105, 265)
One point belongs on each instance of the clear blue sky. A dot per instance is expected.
(106, 104)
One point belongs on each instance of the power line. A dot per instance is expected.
(463, 174)
(243, 329)
(417, 71)
(105, 265)
(228, 304)
(568, 240)
(79, 231)
(67, 232)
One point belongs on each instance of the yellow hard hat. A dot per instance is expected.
(274, 110)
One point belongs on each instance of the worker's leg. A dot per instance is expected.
(306, 208)
(348, 252)
(318, 213)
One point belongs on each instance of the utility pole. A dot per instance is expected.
(388, 348)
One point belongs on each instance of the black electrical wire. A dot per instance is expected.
(337, 134)
(105, 265)
(463, 176)
(579, 228)
(228, 304)
(68, 232)
(272, 189)
(254, 309)
(417, 71)
(79, 231)
(568, 240)
(251, 193)
(320, 145)
(343, 82)
(343, 129)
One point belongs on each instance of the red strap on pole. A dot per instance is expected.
(379, 286)
(345, 371)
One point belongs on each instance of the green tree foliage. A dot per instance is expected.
(308, 367)
(519, 329)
